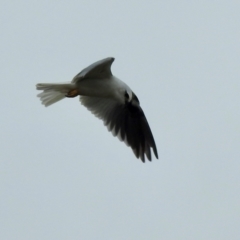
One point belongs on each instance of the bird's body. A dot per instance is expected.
(111, 87)
(111, 100)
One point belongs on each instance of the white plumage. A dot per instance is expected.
(109, 99)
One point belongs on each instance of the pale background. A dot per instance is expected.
(63, 175)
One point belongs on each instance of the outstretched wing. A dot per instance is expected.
(99, 69)
(126, 121)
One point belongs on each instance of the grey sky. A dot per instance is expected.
(63, 175)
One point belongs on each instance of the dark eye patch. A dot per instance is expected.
(126, 95)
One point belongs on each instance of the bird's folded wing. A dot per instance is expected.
(100, 70)
(132, 128)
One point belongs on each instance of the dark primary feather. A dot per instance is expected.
(138, 132)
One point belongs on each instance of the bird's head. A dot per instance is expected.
(131, 98)
(128, 94)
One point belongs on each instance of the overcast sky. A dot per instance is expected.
(64, 176)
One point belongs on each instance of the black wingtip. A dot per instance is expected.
(110, 59)
(155, 152)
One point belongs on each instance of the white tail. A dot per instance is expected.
(53, 92)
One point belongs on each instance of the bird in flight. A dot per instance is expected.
(109, 99)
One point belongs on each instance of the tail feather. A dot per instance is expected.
(53, 92)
